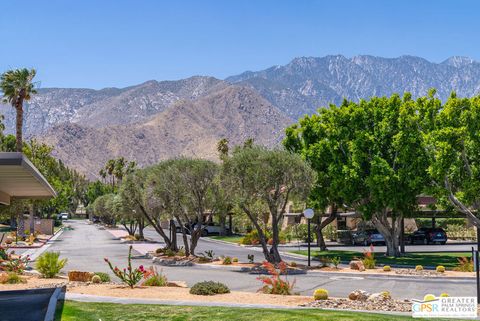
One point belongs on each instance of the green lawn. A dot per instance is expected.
(449, 260)
(116, 312)
(231, 239)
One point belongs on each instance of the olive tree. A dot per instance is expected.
(134, 191)
(258, 178)
(187, 189)
(128, 214)
(103, 208)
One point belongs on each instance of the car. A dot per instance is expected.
(211, 229)
(367, 237)
(63, 216)
(428, 235)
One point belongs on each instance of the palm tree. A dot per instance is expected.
(17, 87)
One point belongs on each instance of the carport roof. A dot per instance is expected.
(19, 178)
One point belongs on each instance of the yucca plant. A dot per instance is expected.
(49, 264)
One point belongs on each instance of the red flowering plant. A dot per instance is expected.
(369, 258)
(274, 284)
(9, 262)
(128, 275)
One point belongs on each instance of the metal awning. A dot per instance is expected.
(20, 179)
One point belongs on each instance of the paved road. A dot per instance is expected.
(87, 245)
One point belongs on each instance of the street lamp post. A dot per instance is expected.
(308, 213)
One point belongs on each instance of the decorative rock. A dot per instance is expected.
(79, 276)
(377, 296)
(359, 295)
(357, 265)
(171, 262)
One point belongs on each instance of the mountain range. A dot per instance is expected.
(161, 119)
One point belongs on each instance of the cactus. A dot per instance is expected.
(440, 269)
(320, 294)
(387, 268)
(96, 279)
(419, 268)
(444, 295)
(429, 297)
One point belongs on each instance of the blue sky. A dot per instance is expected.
(116, 43)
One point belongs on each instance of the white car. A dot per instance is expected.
(64, 216)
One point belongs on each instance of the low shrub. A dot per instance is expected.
(386, 294)
(104, 277)
(464, 265)
(324, 260)
(335, 261)
(387, 268)
(153, 278)
(96, 279)
(320, 294)
(12, 278)
(369, 259)
(293, 264)
(251, 258)
(440, 269)
(159, 251)
(429, 297)
(235, 260)
(49, 264)
(181, 252)
(209, 288)
(444, 295)
(169, 253)
(274, 284)
(419, 268)
(156, 280)
(227, 260)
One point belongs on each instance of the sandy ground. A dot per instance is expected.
(182, 294)
(159, 293)
(32, 282)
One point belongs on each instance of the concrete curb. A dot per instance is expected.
(105, 299)
(34, 253)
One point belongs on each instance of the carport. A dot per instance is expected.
(20, 179)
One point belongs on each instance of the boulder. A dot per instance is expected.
(359, 295)
(79, 276)
(357, 265)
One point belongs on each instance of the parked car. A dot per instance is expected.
(62, 216)
(212, 229)
(367, 237)
(428, 235)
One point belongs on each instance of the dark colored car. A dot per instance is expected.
(428, 235)
(367, 237)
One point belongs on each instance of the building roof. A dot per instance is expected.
(19, 178)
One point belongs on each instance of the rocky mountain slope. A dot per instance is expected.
(308, 83)
(187, 128)
(156, 120)
(110, 106)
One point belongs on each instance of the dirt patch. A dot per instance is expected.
(34, 282)
(178, 294)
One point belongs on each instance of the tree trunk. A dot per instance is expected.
(274, 254)
(157, 227)
(222, 225)
(21, 225)
(141, 227)
(390, 231)
(322, 224)
(19, 124)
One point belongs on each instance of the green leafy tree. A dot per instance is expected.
(259, 179)
(375, 155)
(452, 131)
(135, 191)
(17, 87)
(187, 189)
